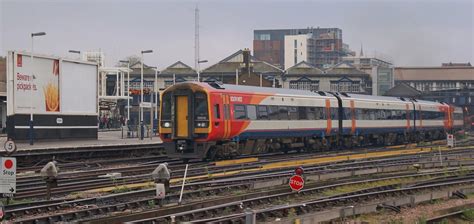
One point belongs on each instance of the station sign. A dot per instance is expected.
(8, 175)
(145, 105)
(296, 183)
(9, 146)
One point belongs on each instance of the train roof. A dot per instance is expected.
(266, 90)
(296, 92)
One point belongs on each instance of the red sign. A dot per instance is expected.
(19, 60)
(296, 183)
(8, 164)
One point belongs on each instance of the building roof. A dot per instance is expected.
(449, 73)
(403, 90)
(179, 69)
(303, 68)
(347, 69)
(148, 71)
(233, 62)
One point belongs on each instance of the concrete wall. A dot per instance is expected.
(301, 49)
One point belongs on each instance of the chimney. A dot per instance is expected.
(247, 66)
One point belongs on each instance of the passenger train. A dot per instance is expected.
(200, 120)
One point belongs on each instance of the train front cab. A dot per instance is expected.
(185, 121)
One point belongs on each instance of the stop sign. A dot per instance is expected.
(296, 183)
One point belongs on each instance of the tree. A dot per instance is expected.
(133, 59)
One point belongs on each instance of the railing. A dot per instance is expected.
(133, 131)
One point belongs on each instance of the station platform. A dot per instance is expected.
(105, 139)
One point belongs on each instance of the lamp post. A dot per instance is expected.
(142, 129)
(155, 90)
(199, 68)
(128, 88)
(31, 134)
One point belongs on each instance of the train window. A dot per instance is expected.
(311, 113)
(252, 112)
(262, 112)
(217, 112)
(200, 106)
(380, 114)
(166, 107)
(334, 113)
(320, 113)
(239, 112)
(283, 113)
(302, 115)
(347, 114)
(273, 112)
(293, 113)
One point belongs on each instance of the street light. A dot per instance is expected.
(76, 52)
(141, 92)
(155, 90)
(128, 88)
(31, 134)
(199, 68)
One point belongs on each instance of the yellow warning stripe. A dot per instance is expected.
(236, 161)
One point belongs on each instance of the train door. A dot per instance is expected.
(182, 112)
(227, 119)
(217, 115)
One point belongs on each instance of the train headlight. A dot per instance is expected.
(201, 124)
(166, 124)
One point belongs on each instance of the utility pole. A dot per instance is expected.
(196, 40)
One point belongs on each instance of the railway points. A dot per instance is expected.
(209, 181)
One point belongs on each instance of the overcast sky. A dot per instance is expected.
(411, 33)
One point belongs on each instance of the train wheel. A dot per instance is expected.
(211, 154)
(325, 144)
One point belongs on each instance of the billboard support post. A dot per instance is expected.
(31, 133)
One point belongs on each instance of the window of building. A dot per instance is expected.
(168, 83)
(262, 36)
(346, 86)
(296, 44)
(305, 84)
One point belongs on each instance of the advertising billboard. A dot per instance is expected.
(36, 87)
(60, 93)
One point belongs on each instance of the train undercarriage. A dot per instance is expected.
(231, 149)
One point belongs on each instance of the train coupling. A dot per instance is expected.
(181, 145)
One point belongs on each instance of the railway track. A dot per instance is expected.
(212, 210)
(39, 157)
(212, 189)
(35, 188)
(82, 180)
